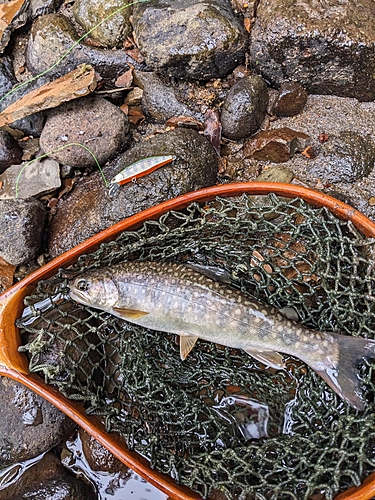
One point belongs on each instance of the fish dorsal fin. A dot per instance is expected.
(129, 314)
(187, 342)
(269, 358)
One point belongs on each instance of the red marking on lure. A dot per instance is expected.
(138, 169)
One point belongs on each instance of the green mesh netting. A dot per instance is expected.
(219, 422)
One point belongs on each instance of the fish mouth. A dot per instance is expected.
(78, 297)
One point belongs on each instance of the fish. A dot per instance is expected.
(138, 169)
(179, 299)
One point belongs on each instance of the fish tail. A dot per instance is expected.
(343, 378)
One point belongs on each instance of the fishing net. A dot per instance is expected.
(219, 422)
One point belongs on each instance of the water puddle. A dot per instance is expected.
(9, 475)
(108, 485)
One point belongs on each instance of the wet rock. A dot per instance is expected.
(30, 425)
(276, 145)
(50, 38)
(10, 152)
(134, 97)
(278, 173)
(290, 101)
(328, 48)
(98, 457)
(331, 116)
(33, 179)
(188, 38)
(244, 108)
(347, 157)
(42, 7)
(22, 223)
(48, 479)
(7, 78)
(159, 101)
(93, 122)
(89, 209)
(88, 13)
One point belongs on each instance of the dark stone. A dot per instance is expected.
(244, 108)
(22, 223)
(30, 425)
(92, 121)
(188, 38)
(42, 7)
(276, 145)
(347, 157)
(10, 152)
(328, 48)
(48, 479)
(50, 38)
(290, 101)
(159, 102)
(112, 33)
(7, 78)
(89, 209)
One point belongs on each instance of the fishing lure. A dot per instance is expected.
(138, 169)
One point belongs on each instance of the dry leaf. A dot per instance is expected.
(212, 129)
(136, 55)
(136, 116)
(77, 83)
(124, 108)
(66, 187)
(323, 137)
(6, 274)
(184, 121)
(125, 80)
(247, 24)
(308, 152)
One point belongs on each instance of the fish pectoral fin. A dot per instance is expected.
(269, 358)
(130, 314)
(289, 313)
(212, 272)
(187, 342)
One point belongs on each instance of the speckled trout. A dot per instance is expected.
(175, 298)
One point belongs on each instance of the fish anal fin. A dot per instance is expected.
(129, 314)
(272, 359)
(187, 342)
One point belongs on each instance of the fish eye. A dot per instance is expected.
(82, 285)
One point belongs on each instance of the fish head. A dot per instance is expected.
(95, 288)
